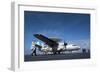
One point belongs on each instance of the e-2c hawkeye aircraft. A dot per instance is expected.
(54, 46)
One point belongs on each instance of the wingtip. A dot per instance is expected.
(36, 34)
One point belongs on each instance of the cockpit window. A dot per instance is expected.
(73, 45)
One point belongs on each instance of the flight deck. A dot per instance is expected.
(68, 56)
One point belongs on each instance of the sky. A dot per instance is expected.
(70, 27)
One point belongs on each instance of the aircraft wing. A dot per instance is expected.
(46, 40)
